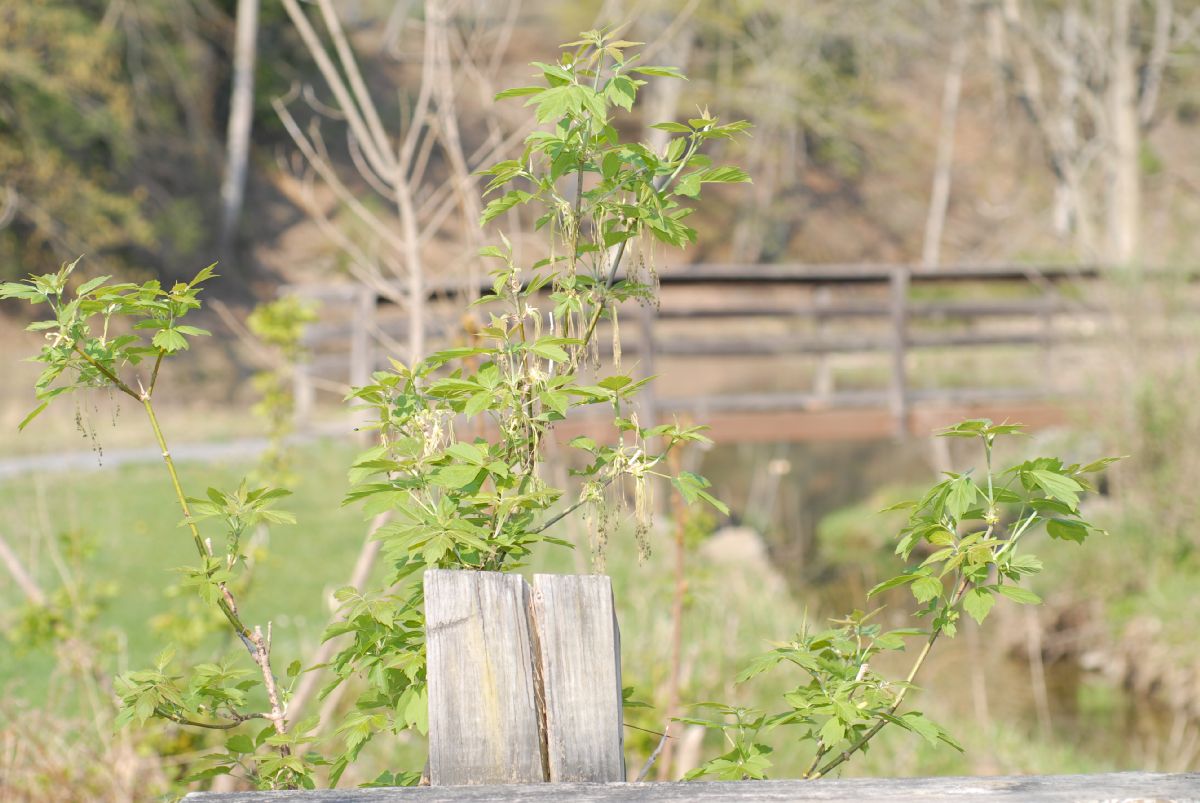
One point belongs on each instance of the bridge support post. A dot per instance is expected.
(362, 351)
(898, 391)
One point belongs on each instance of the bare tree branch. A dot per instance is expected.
(20, 576)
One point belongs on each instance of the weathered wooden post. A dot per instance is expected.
(1048, 307)
(579, 651)
(483, 714)
(524, 684)
(823, 381)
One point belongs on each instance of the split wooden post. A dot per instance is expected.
(524, 684)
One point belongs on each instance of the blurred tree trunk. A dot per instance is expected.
(1124, 193)
(241, 118)
(425, 169)
(1107, 59)
(939, 195)
(1066, 215)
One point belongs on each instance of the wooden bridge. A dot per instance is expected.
(798, 352)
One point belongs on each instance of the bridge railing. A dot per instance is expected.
(716, 312)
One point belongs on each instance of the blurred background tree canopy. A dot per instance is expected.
(111, 116)
(113, 122)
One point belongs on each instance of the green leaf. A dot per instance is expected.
(519, 91)
(503, 204)
(611, 165)
(691, 487)
(832, 732)
(919, 724)
(977, 603)
(170, 341)
(907, 504)
(614, 382)
(549, 351)
(898, 580)
(660, 72)
(467, 452)
(622, 91)
(210, 772)
(556, 401)
(1057, 486)
(712, 500)
(1017, 594)
(689, 185)
(972, 428)
(1025, 564)
(960, 496)
(1067, 530)
(203, 276)
(477, 404)
(725, 175)
(32, 415)
(1100, 465)
(552, 70)
(1053, 506)
(91, 284)
(20, 290)
(926, 588)
(241, 743)
(555, 103)
(456, 476)
(758, 665)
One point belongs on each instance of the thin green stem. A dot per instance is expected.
(223, 726)
(916, 667)
(822, 750)
(658, 186)
(612, 276)
(555, 519)
(121, 386)
(987, 450)
(154, 374)
(255, 643)
(691, 151)
(225, 601)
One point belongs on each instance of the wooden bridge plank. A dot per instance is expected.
(483, 717)
(579, 645)
(1047, 788)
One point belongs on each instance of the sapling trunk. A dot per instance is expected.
(680, 514)
(256, 644)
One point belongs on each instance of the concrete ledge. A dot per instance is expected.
(1109, 786)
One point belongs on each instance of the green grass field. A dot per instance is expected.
(129, 515)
